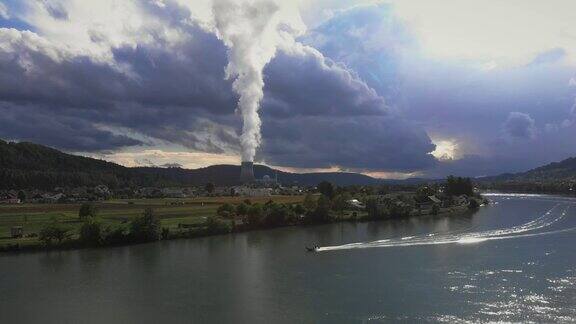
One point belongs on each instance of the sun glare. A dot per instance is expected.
(445, 150)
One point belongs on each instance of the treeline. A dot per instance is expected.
(329, 204)
(315, 209)
(48, 180)
(456, 186)
(271, 214)
(147, 228)
(551, 187)
(93, 232)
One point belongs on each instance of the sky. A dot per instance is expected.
(393, 89)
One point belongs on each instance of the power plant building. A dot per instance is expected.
(247, 172)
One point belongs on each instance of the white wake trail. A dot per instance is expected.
(545, 220)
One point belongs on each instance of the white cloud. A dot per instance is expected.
(509, 32)
(4, 11)
(95, 29)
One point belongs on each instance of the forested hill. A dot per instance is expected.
(30, 156)
(32, 166)
(563, 171)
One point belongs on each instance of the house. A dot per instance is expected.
(10, 201)
(434, 200)
(48, 198)
(355, 203)
(174, 193)
(102, 191)
(223, 191)
(429, 202)
(9, 198)
(251, 192)
(293, 190)
(149, 192)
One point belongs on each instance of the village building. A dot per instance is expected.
(245, 191)
(429, 202)
(355, 203)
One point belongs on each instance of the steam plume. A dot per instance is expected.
(252, 30)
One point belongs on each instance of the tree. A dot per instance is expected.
(376, 210)
(277, 215)
(210, 187)
(216, 225)
(21, 196)
(165, 233)
(53, 232)
(326, 189)
(456, 186)
(91, 232)
(242, 209)
(299, 209)
(116, 236)
(322, 211)
(254, 215)
(87, 210)
(435, 209)
(473, 204)
(399, 209)
(340, 203)
(309, 202)
(146, 227)
(226, 210)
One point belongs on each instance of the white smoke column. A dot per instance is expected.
(252, 30)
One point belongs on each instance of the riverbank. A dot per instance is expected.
(223, 227)
(174, 214)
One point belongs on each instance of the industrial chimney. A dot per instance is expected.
(247, 172)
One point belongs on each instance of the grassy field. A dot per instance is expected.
(172, 212)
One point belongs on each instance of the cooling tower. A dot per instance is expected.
(247, 172)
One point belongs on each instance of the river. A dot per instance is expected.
(514, 260)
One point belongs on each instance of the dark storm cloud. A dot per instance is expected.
(359, 143)
(161, 93)
(39, 125)
(190, 75)
(321, 108)
(520, 125)
(308, 84)
(463, 101)
(316, 113)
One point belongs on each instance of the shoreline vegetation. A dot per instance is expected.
(119, 223)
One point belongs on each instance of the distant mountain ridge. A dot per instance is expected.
(564, 170)
(26, 165)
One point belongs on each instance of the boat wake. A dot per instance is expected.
(552, 216)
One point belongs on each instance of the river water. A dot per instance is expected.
(514, 260)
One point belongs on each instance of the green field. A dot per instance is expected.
(172, 212)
